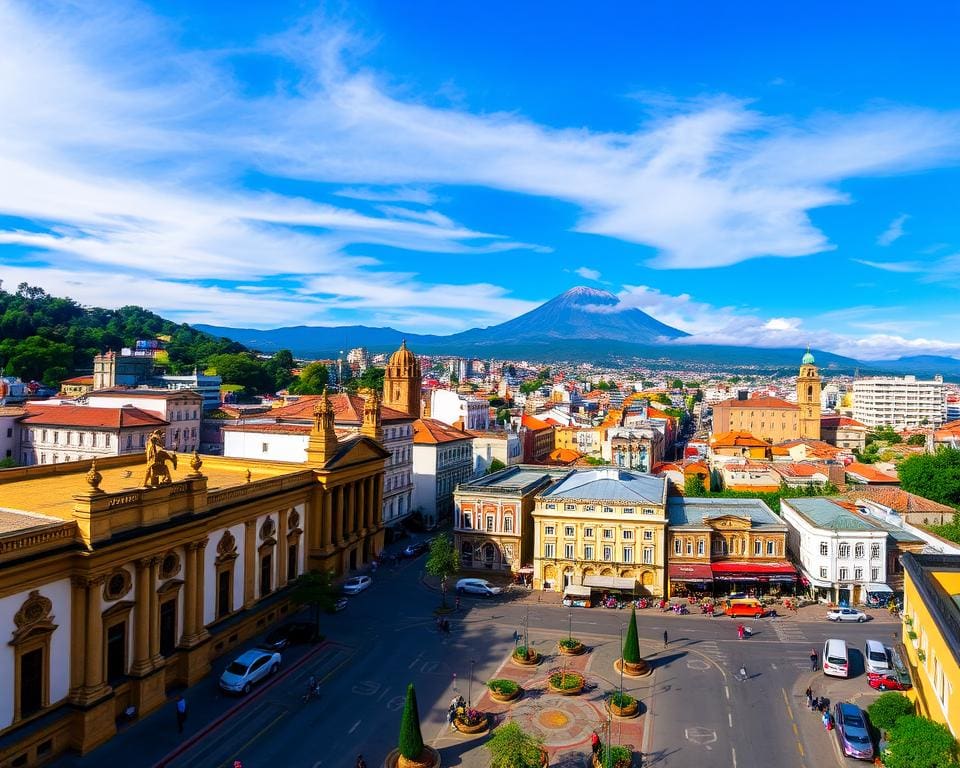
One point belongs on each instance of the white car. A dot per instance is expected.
(356, 584)
(249, 668)
(846, 614)
(477, 587)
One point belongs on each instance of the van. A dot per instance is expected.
(836, 661)
(875, 657)
(477, 587)
(747, 606)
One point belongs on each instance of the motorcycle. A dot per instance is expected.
(313, 690)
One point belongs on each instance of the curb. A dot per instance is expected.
(219, 720)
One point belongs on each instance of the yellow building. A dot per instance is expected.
(120, 580)
(931, 634)
(587, 441)
(601, 528)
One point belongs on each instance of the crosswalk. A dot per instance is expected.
(712, 649)
(788, 631)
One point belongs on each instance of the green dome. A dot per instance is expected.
(807, 359)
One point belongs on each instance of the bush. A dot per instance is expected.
(569, 642)
(512, 747)
(566, 681)
(622, 700)
(523, 652)
(631, 646)
(916, 742)
(888, 708)
(619, 755)
(503, 687)
(411, 741)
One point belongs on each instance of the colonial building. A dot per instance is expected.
(501, 444)
(720, 546)
(182, 409)
(493, 524)
(843, 432)
(442, 458)
(601, 528)
(536, 437)
(120, 580)
(638, 447)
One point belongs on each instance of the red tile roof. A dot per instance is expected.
(758, 402)
(869, 473)
(737, 440)
(800, 470)
(160, 394)
(433, 431)
(282, 429)
(832, 420)
(78, 380)
(897, 499)
(531, 422)
(80, 416)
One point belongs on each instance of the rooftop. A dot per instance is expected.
(870, 474)
(610, 484)
(517, 478)
(160, 394)
(897, 499)
(943, 608)
(757, 402)
(696, 511)
(346, 408)
(124, 417)
(434, 431)
(824, 513)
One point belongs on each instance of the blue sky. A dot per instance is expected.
(750, 173)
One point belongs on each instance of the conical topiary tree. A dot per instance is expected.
(631, 645)
(411, 741)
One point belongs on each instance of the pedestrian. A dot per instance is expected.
(740, 632)
(594, 742)
(458, 602)
(742, 675)
(181, 713)
(813, 659)
(665, 640)
(809, 694)
(451, 713)
(361, 763)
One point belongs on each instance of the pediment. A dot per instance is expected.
(729, 523)
(358, 451)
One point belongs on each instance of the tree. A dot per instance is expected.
(631, 645)
(443, 562)
(934, 476)
(495, 466)
(242, 368)
(884, 434)
(316, 590)
(313, 379)
(676, 384)
(694, 486)
(917, 439)
(888, 708)
(503, 415)
(916, 742)
(278, 368)
(411, 741)
(512, 747)
(530, 386)
(371, 378)
(663, 399)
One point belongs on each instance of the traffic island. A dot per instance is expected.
(429, 758)
(622, 706)
(566, 682)
(525, 657)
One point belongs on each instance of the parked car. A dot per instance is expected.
(887, 681)
(356, 584)
(477, 587)
(852, 732)
(846, 614)
(248, 668)
(288, 634)
(875, 657)
(415, 549)
(338, 605)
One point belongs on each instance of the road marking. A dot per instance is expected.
(256, 736)
(698, 664)
(795, 731)
(730, 718)
(355, 726)
(726, 690)
(774, 666)
(733, 756)
(800, 747)
(702, 736)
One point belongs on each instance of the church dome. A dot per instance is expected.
(807, 359)
(403, 357)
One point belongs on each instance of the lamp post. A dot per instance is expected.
(526, 631)
(470, 685)
(570, 625)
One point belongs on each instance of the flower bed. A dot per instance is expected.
(470, 720)
(620, 757)
(526, 657)
(623, 705)
(570, 646)
(566, 683)
(504, 690)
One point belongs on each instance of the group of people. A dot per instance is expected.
(743, 631)
(443, 625)
(821, 705)
(456, 703)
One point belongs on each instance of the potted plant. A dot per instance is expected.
(502, 689)
(630, 660)
(411, 752)
(908, 621)
(525, 656)
(623, 705)
(570, 646)
(618, 757)
(921, 655)
(512, 747)
(566, 682)
(470, 720)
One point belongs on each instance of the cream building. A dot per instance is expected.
(598, 525)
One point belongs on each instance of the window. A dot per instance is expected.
(648, 535)
(858, 574)
(758, 547)
(608, 533)
(701, 547)
(224, 592)
(648, 511)
(608, 553)
(550, 530)
(264, 447)
(771, 547)
(689, 546)
(874, 574)
(568, 551)
(628, 510)
(551, 506)
(648, 555)
(629, 534)
(823, 573)
(570, 507)
(588, 533)
(32, 681)
(508, 524)
(293, 561)
(844, 574)
(608, 510)
(489, 522)
(589, 508)
(568, 530)
(859, 551)
(117, 652)
(874, 551)
(168, 627)
(550, 550)
(588, 552)
(466, 520)
(266, 573)
(628, 554)
(843, 550)
(677, 546)
(823, 549)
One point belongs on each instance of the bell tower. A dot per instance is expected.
(808, 397)
(323, 442)
(402, 382)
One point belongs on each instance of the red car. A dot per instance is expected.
(886, 682)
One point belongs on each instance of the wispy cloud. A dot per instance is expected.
(587, 273)
(893, 266)
(893, 232)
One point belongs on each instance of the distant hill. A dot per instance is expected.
(925, 365)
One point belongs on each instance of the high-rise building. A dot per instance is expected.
(899, 402)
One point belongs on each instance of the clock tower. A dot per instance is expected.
(808, 397)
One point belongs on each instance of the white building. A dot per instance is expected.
(359, 359)
(10, 432)
(452, 408)
(839, 552)
(503, 445)
(183, 409)
(899, 402)
(442, 458)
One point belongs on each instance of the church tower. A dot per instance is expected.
(808, 397)
(322, 443)
(402, 381)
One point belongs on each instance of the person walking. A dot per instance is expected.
(665, 639)
(361, 763)
(740, 632)
(809, 695)
(813, 659)
(594, 742)
(458, 602)
(742, 673)
(181, 713)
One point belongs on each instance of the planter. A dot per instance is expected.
(465, 727)
(627, 712)
(526, 661)
(631, 669)
(625, 763)
(566, 684)
(505, 695)
(573, 650)
(544, 758)
(429, 759)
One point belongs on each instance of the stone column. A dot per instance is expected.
(337, 514)
(200, 592)
(362, 505)
(189, 594)
(326, 518)
(378, 499)
(78, 600)
(93, 653)
(141, 621)
(352, 509)
(281, 557)
(249, 562)
(154, 571)
(371, 496)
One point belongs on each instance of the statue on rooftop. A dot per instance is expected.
(157, 458)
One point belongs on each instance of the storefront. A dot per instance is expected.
(612, 585)
(690, 579)
(576, 596)
(754, 579)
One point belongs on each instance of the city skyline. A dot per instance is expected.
(744, 175)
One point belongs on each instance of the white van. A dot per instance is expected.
(875, 657)
(836, 661)
(477, 587)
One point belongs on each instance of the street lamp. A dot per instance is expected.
(470, 685)
(526, 631)
(570, 625)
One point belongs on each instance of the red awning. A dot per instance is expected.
(728, 569)
(690, 572)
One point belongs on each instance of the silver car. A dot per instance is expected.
(846, 614)
(248, 668)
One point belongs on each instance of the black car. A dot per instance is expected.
(288, 634)
(415, 549)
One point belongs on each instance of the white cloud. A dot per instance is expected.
(782, 324)
(587, 273)
(893, 232)
(893, 266)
